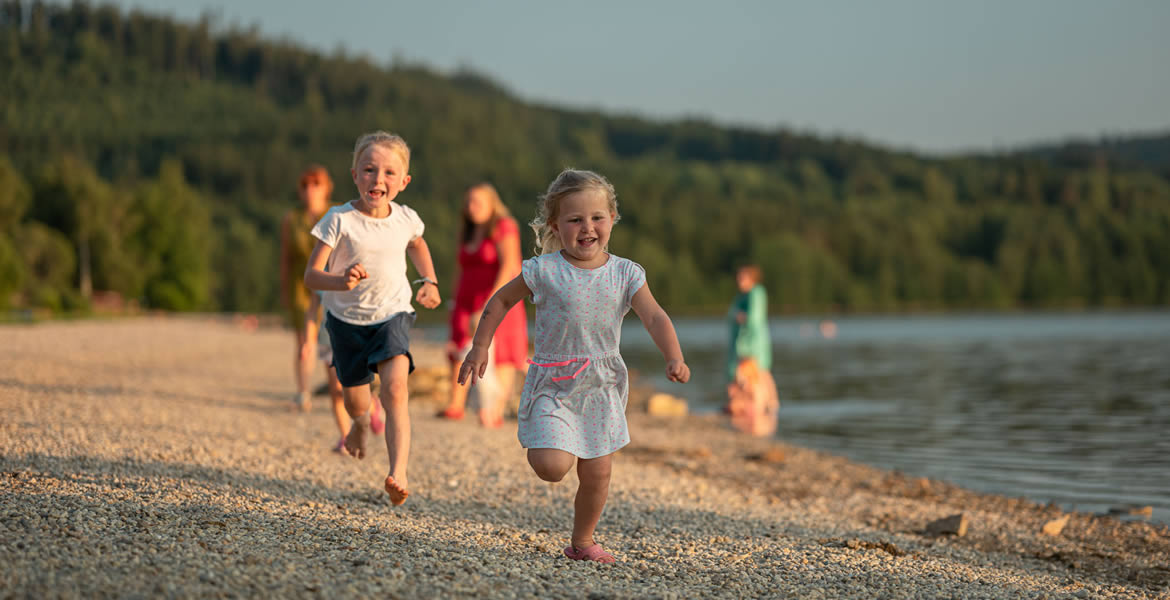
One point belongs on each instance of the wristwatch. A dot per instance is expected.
(426, 280)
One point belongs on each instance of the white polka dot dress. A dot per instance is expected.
(575, 393)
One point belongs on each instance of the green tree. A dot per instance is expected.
(51, 265)
(174, 241)
(14, 199)
(73, 199)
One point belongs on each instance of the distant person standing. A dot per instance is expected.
(315, 188)
(747, 322)
(489, 257)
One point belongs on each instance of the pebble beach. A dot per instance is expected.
(159, 457)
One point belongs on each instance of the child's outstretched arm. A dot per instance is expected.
(475, 365)
(316, 278)
(661, 330)
(420, 256)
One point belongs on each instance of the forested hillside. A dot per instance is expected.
(1140, 151)
(154, 158)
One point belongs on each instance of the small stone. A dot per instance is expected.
(952, 525)
(700, 452)
(1135, 511)
(666, 405)
(773, 455)
(1055, 526)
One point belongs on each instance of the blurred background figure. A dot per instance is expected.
(314, 331)
(747, 322)
(752, 400)
(488, 257)
(314, 187)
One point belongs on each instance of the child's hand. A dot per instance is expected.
(428, 295)
(354, 275)
(678, 371)
(474, 366)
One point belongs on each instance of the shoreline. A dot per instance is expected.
(156, 456)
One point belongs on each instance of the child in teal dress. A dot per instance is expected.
(747, 321)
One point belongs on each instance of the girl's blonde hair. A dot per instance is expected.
(570, 181)
(381, 138)
(499, 211)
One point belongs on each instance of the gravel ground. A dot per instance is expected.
(157, 457)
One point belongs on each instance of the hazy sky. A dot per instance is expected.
(933, 75)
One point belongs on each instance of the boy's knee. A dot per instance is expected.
(392, 392)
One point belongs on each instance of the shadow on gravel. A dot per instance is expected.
(261, 402)
(204, 550)
(64, 388)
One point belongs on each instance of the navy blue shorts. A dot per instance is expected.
(357, 349)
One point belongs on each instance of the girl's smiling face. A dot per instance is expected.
(380, 175)
(583, 226)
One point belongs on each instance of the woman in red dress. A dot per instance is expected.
(489, 257)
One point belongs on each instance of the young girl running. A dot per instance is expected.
(574, 400)
(359, 260)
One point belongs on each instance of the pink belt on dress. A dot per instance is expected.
(563, 363)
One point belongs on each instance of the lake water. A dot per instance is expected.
(1065, 408)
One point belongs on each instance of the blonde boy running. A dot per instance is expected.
(359, 260)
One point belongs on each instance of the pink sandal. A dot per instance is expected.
(450, 413)
(377, 425)
(595, 553)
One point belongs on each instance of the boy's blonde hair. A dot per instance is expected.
(381, 138)
(570, 181)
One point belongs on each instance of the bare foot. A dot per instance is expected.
(355, 442)
(489, 420)
(302, 403)
(397, 492)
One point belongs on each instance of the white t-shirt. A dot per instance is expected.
(380, 246)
